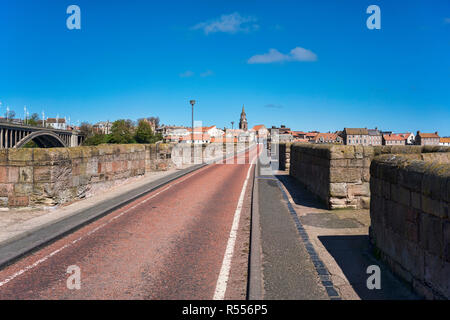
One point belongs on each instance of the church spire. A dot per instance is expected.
(243, 121)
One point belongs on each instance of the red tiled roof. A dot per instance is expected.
(326, 136)
(445, 140)
(428, 135)
(258, 127)
(394, 137)
(312, 134)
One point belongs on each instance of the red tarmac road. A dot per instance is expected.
(169, 244)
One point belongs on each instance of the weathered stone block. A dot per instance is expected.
(431, 234)
(365, 202)
(345, 175)
(20, 155)
(23, 188)
(26, 174)
(386, 189)
(3, 174)
(6, 189)
(404, 196)
(338, 189)
(416, 200)
(13, 174)
(360, 189)
(18, 201)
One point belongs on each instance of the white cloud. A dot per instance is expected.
(273, 56)
(186, 74)
(229, 23)
(273, 106)
(206, 74)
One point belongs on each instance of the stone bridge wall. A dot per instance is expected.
(58, 175)
(340, 175)
(285, 156)
(410, 219)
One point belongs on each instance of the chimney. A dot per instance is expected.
(436, 132)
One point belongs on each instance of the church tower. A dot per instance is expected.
(243, 125)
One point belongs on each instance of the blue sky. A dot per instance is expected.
(306, 64)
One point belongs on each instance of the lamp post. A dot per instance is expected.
(192, 102)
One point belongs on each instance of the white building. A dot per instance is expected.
(444, 141)
(56, 123)
(103, 127)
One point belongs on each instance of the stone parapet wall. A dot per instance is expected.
(340, 175)
(285, 156)
(410, 219)
(30, 177)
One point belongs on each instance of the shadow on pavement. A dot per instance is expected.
(299, 193)
(353, 254)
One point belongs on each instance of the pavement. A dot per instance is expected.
(339, 239)
(287, 271)
(166, 242)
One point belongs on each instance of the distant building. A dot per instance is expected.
(284, 134)
(243, 125)
(427, 139)
(327, 138)
(260, 131)
(198, 138)
(409, 136)
(310, 136)
(374, 138)
(56, 123)
(355, 136)
(298, 135)
(103, 127)
(444, 141)
(393, 139)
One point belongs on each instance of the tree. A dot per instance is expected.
(96, 139)
(10, 114)
(122, 132)
(155, 120)
(33, 120)
(86, 129)
(144, 132)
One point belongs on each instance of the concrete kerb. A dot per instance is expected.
(255, 288)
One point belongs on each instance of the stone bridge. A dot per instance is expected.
(16, 136)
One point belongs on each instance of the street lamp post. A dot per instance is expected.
(192, 102)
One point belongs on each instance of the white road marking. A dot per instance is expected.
(45, 258)
(222, 281)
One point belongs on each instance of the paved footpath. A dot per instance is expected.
(309, 252)
(176, 242)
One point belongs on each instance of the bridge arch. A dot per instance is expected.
(43, 139)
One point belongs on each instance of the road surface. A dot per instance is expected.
(168, 244)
